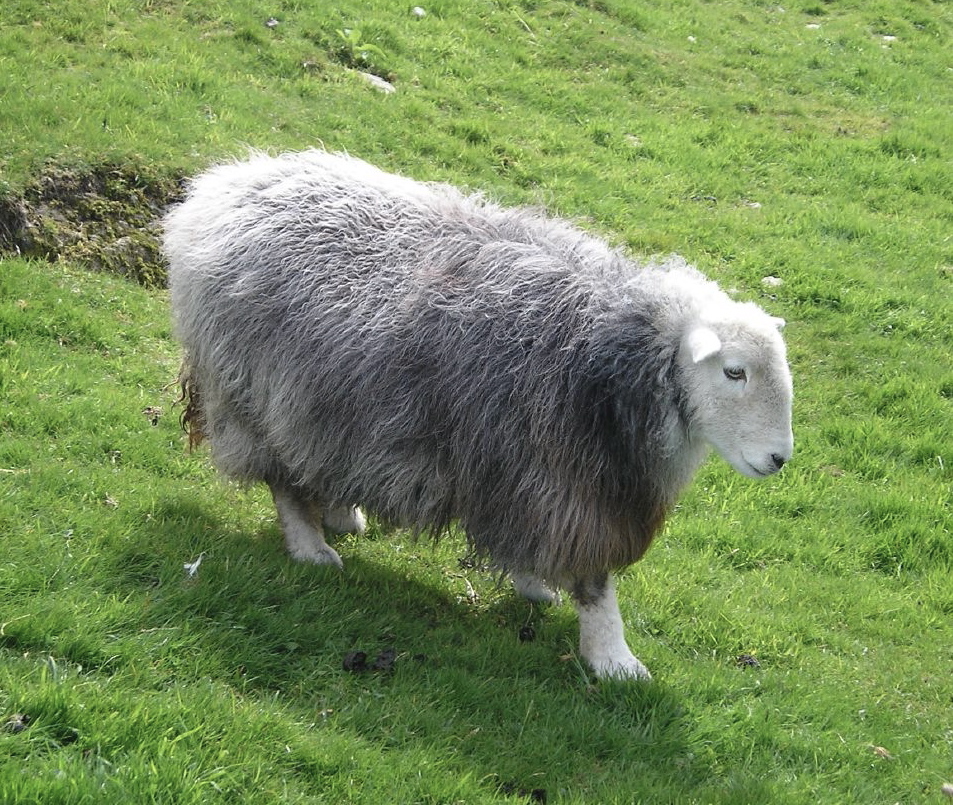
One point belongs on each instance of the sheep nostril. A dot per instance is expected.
(778, 460)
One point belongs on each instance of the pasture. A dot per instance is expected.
(156, 645)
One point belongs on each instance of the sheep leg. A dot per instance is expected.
(300, 521)
(344, 520)
(533, 588)
(601, 638)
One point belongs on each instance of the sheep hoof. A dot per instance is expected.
(533, 589)
(622, 669)
(325, 555)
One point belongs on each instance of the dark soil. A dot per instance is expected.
(104, 216)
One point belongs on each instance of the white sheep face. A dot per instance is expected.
(739, 387)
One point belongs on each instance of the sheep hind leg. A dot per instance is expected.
(301, 524)
(344, 520)
(532, 588)
(601, 635)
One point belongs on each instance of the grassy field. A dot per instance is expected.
(800, 630)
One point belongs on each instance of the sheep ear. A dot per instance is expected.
(703, 343)
(779, 323)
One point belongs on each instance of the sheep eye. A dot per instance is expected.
(735, 373)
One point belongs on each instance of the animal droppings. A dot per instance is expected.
(385, 660)
(531, 795)
(355, 662)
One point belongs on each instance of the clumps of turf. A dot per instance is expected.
(104, 216)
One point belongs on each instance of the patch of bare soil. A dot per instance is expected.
(104, 216)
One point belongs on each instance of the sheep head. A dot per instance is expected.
(738, 386)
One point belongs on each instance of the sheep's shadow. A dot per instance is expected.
(270, 624)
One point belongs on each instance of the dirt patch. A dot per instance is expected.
(104, 216)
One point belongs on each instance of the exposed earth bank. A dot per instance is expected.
(105, 216)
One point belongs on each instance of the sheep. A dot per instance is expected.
(359, 340)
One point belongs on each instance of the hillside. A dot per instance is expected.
(800, 630)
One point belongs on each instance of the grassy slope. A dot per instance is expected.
(761, 146)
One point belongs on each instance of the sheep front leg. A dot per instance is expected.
(601, 638)
(301, 523)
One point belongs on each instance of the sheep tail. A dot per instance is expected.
(192, 419)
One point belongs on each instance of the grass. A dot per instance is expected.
(802, 143)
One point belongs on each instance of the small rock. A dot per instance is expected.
(812, 26)
(271, 22)
(378, 83)
(748, 661)
(418, 12)
(947, 789)
(772, 282)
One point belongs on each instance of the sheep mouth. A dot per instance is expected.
(757, 472)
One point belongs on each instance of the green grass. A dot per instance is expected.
(797, 143)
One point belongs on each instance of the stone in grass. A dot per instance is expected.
(378, 83)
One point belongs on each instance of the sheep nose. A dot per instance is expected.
(778, 460)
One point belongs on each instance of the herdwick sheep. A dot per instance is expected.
(354, 338)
